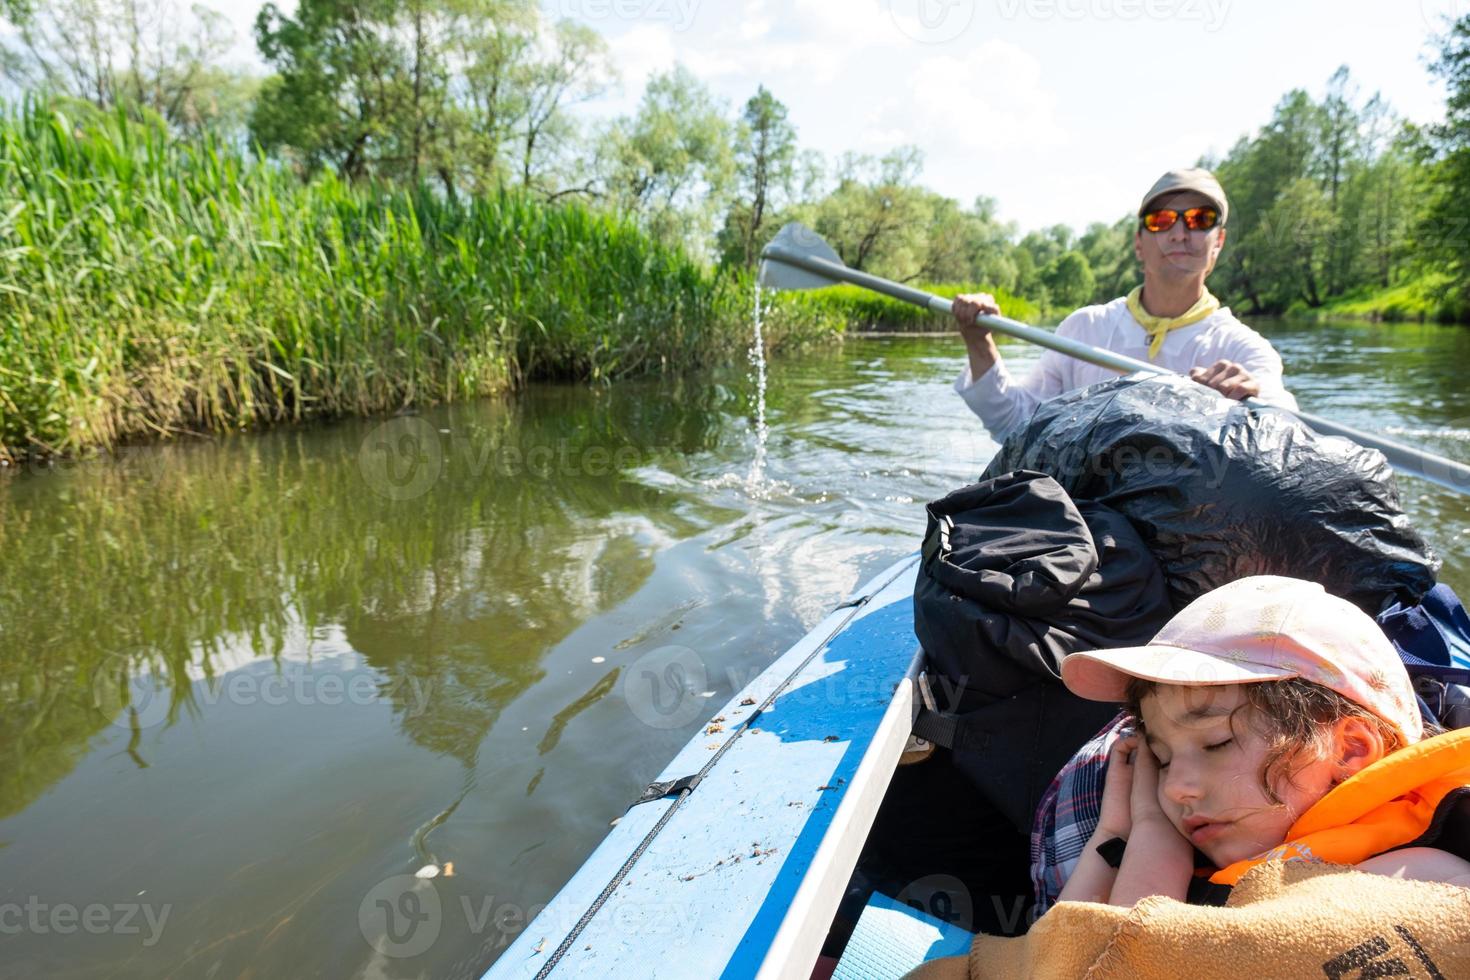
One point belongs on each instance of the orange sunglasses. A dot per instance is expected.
(1195, 219)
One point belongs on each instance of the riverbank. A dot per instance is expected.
(1427, 299)
(155, 288)
(863, 311)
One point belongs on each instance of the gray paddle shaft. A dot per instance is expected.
(787, 250)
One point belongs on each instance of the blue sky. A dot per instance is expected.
(1063, 110)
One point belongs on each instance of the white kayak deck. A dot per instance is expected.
(745, 874)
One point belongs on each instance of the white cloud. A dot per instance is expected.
(755, 21)
(637, 53)
(848, 24)
(993, 100)
(816, 42)
(812, 62)
(884, 139)
(1040, 112)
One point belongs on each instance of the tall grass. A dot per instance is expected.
(152, 287)
(859, 309)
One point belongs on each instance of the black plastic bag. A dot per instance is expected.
(1015, 576)
(1221, 490)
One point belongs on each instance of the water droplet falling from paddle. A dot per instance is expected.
(758, 361)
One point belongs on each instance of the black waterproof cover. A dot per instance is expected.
(1221, 490)
(1014, 577)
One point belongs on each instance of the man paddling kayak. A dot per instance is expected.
(1171, 320)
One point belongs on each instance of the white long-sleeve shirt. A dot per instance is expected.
(1004, 403)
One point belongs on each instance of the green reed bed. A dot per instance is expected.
(861, 310)
(152, 287)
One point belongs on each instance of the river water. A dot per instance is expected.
(245, 683)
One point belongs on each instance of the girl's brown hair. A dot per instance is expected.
(1296, 718)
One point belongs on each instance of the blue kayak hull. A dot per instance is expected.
(740, 876)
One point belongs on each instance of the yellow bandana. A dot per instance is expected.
(1158, 327)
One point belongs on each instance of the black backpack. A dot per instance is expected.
(1015, 576)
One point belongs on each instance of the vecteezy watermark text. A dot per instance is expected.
(932, 21)
(665, 688)
(679, 13)
(97, 919)
(116, 686)
(1210, 13)
(671, 687)
(404, 915)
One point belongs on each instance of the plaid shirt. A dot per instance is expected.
(1068, 814)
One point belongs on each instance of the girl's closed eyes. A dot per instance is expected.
(1252, 705)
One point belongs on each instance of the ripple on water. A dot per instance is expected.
(482, 622)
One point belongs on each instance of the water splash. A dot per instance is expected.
(754, 484)
(757, 477)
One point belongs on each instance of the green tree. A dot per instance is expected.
(1028, 277)
(1109, 253)
(876, 217)
(1340, 133)
(147, 56)
(1383, 192)
(1069, 280)
(474, 93)
(671, 163)
(1297, 232)
(1345, 156)
(952, 241)
(1443, 233)
(575, 70)
(1044, 247)
(342, 82)
(493, 43)
(765, 166)
(1275, 184)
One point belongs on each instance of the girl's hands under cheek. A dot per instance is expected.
(1115, 818)
(1158, 860)
(1152, 828)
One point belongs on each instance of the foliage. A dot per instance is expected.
(874, 218)
(1069, 280)
(1444, 228)
(156, 287)
(765, 164)
(1109, 253)
(469, 93)
(670, 164)
(1431, 297)
(857, 309)
(144, 55)
(1322, 203)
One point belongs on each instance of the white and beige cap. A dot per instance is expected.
(1195, 179)
(1262, 628)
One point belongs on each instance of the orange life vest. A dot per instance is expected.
(1386, 805)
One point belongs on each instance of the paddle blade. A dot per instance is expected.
(795, 239)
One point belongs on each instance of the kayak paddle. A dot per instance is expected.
(798, 258)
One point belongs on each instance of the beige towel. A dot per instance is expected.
(1284, 919)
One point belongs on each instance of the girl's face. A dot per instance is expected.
(1210, 773)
